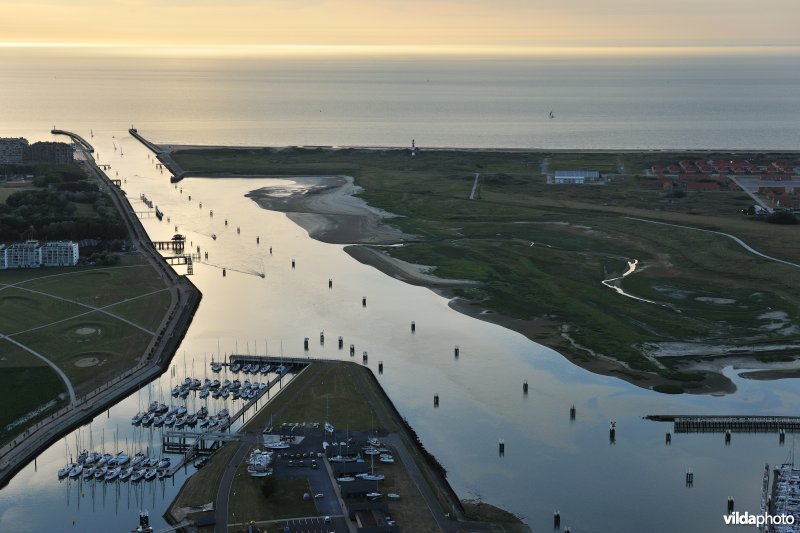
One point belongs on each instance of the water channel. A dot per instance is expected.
(550, 462)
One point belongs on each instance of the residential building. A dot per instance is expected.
(26, 254)
(31, 254)
(12, 150)
(576, 177)
(60, 253)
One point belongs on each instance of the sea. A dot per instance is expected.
(662, 101)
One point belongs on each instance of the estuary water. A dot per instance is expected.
(550, 462)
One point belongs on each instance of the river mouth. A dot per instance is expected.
(325, 206)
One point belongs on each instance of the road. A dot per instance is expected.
(51, 364)
(736, 239)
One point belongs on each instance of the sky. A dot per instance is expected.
(411, 24)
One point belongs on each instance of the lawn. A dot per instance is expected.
(331, 395)
(248, 502)
(91, 349)
(35, 386)
(146, 311)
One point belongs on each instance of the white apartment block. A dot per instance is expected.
(30, 254)
(60, 253)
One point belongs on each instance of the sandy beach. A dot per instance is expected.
(328, 210)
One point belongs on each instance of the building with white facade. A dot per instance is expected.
(576, 177)
(59, 253)
(31, 254)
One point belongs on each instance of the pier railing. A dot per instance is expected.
(732, 423)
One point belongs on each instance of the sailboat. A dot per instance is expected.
(552, 115)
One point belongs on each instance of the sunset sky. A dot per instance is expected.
(416, 23)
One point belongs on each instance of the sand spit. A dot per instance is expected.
(328, 210)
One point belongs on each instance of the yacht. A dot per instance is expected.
(76, 471)
(65, 470)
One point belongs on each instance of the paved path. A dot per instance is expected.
(738, 241)
(751, 194)
(98, 309)
(92, 310)
(408, 461)
(474, 186)
(51, 364)
(184, 298)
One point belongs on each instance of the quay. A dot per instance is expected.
(184, 300)
(733, 423)
(162, 155)
(288, 362)
(84, 145)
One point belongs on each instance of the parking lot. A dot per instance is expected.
(316, 525)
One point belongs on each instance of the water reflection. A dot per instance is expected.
(550, 461)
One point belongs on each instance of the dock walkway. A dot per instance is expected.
(733, 423)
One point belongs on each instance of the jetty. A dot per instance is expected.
(162, 155)
(84, 144)
(733, 423)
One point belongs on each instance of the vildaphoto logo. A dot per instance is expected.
(747, 519)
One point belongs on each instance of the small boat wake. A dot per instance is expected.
(240, 270)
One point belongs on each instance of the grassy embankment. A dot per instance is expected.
(89, 346)
(46, 309)
(541, 250)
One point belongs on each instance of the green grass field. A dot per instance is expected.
(31, 385)
(247, 501)
(542, 250)
(332, 392)
(47, 312)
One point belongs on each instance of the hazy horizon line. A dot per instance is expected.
(251, 50)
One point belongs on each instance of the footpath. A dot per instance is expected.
(184, 300)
